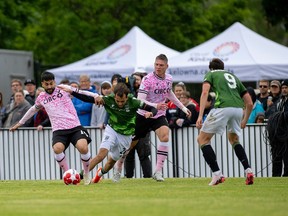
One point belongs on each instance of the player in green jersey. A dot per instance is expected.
(121, 107)
(227, 111)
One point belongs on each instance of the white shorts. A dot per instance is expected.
(117, 144)
(219, 118)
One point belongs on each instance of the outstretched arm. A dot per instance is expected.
(25, 118)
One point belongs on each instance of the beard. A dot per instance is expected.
(50, 90)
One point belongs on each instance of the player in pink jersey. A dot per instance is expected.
(65, 123)
(155, 88)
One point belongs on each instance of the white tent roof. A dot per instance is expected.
(134, 50)
(245, 53)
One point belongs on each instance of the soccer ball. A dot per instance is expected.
(71, 176)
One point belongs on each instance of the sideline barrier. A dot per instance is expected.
(26, 154)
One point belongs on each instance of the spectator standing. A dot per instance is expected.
(227, 112)
(99, 114)
(84, 109)
(18, 110)
(275, 92)
(181, 119)
(30, 87)
(16, 85)
(264, 93)
(257, 106)
(277, 127)
(2, 110)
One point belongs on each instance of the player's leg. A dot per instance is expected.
(103, 170)
(80, 139)
(234, 130)
(162, 151)
(204, 141)
(59, 155)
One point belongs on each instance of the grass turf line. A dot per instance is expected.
(175, 196)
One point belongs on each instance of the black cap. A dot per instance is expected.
(284, 82)
(29, 81)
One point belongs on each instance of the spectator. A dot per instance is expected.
(65, 81)
(264, 93)
(99, 114)
(2, 110)
(260, 118)
(97, 86)
(275, 91)
(30, 87)
(114, 80)
(257, 106)
(277, 127)
(181, 119)
(16, 85)
(18, 110)
(41, 118)
(84, 109)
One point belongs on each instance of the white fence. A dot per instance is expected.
(27, 154)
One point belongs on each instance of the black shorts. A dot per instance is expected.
(70, 136)
(144, 126)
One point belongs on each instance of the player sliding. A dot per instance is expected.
(121, 107)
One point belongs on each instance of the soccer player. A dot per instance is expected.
(154, 90)
(121, 107)
(227, 111)
(65, 123)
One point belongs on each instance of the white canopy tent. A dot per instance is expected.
(134, 50)
(245, 53)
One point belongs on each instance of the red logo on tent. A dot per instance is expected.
(226, 49)
(118, 52)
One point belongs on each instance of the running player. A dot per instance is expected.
(227, 111)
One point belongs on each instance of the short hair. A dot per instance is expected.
(162, 57)
(85, 76)
(16, 80)
(186, 94)
(216, 64)
(121, 89)
(115, 76)
(65, 81)
(46, 76)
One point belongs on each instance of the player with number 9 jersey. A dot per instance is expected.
(227, 87)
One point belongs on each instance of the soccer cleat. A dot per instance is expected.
(116, 177)
(158, 176)
(86, 179)
(97, 178)
(249, 178)
(217, 179)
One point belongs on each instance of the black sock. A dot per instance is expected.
(210, 157)
(241, 154)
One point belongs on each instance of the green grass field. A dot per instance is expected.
(186, 196)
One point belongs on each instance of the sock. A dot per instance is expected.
(210, 157)
(62, 161)
(162, 153)
(119, 164)
(102, 172)
(241, 154)
(86, 161)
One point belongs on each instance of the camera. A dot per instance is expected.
(129, 81)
